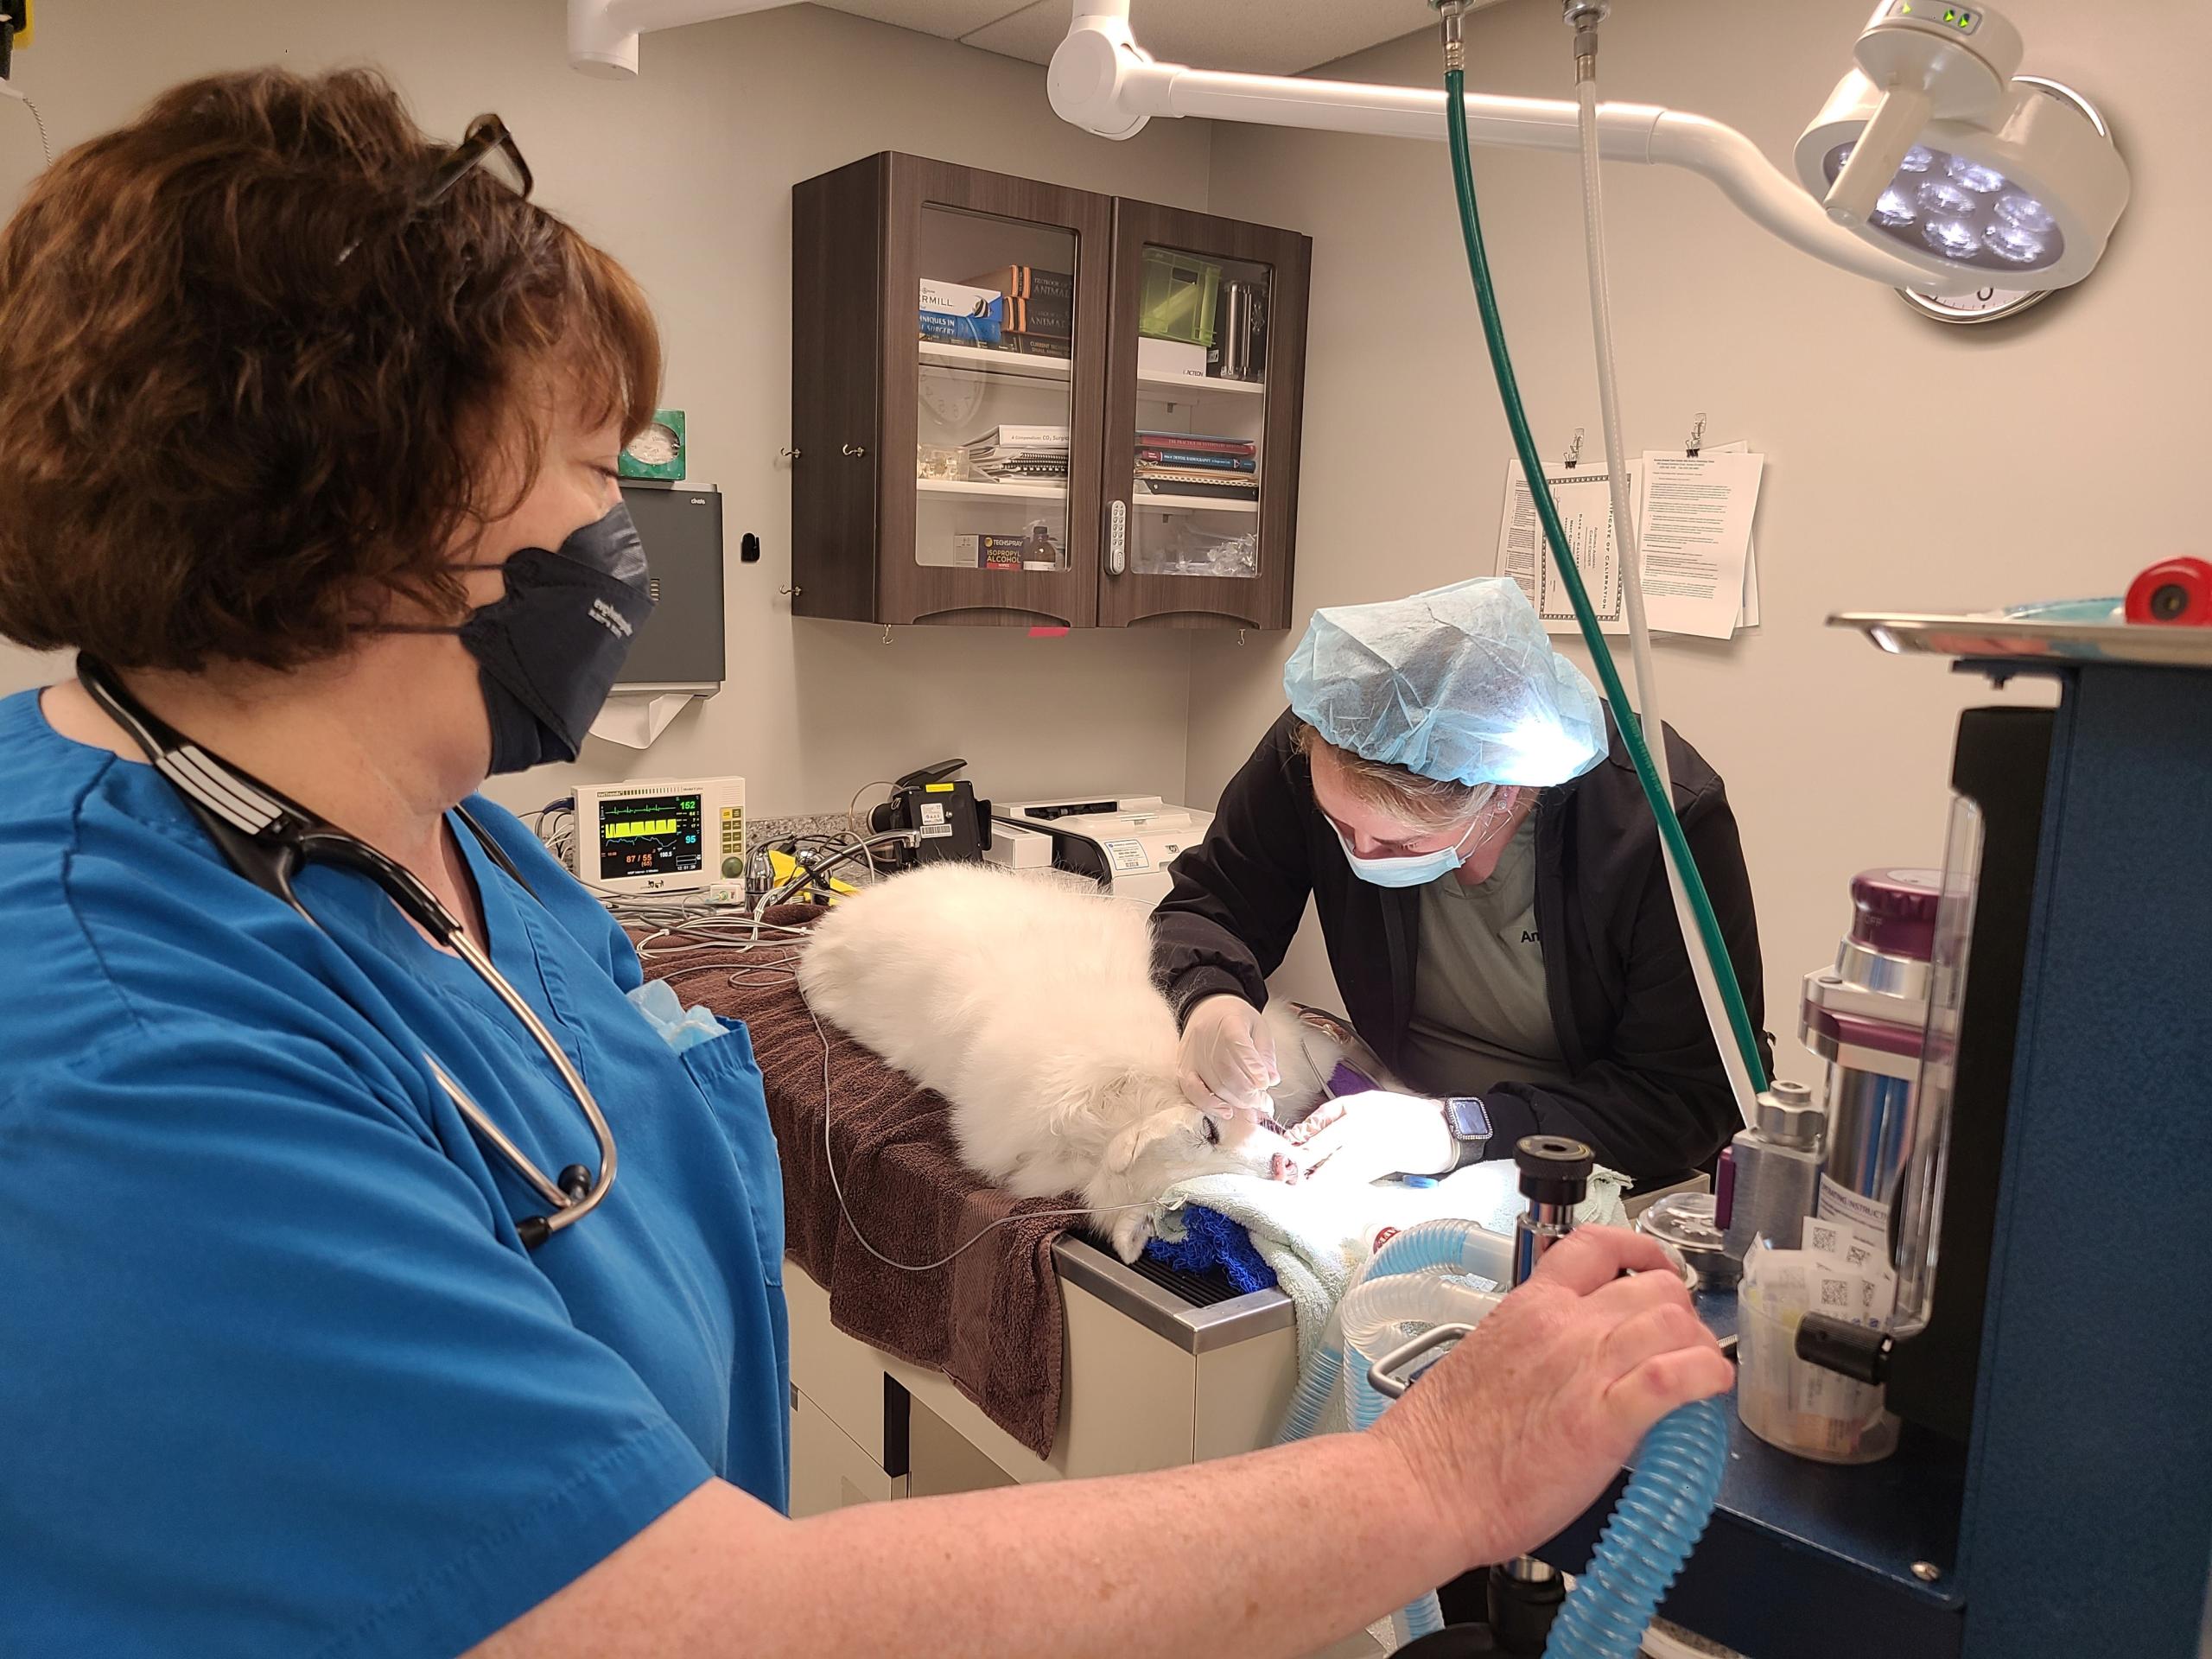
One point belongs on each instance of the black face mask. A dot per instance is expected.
(547, 653)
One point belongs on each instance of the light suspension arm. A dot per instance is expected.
(603, 34)
(1103, 81)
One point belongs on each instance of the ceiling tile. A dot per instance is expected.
(1279, 37)
(950, 18)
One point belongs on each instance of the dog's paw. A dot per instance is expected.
(1133, 1230)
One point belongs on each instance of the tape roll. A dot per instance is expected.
(2176, 593)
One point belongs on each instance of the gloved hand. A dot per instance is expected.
(1516, 1429)
(1361, 1137)
(1227, 1060)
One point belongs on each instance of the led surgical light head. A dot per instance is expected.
(1932, 150)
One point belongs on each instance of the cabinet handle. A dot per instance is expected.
(854, 450)
(1117, 538)
(788, 453)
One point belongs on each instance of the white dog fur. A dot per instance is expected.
(1030, 1007)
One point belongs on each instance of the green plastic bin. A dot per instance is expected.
(1176, 300)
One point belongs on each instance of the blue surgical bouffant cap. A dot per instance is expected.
(1459, 684)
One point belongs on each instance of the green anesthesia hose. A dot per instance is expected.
(1670, 827)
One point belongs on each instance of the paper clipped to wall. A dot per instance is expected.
(1701, 575)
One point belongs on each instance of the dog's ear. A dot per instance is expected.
(1125, 1148)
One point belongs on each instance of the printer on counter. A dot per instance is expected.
(1124, 843)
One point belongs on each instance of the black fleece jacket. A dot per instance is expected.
(1647, 1091)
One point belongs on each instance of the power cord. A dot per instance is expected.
(24, 98)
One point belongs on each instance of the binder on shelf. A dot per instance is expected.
(1212, 488)
(1196, 461)
(1028, 283)
(1196, 441)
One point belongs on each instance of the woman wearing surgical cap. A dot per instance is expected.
(1456, 801)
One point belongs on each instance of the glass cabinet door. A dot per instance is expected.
(993, 371)
(1203, 418)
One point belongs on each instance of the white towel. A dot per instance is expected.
(1314, 1233)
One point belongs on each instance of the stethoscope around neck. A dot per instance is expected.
(268, 839)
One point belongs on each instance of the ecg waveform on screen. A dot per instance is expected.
(652, 837)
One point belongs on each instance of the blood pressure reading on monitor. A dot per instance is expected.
(654, 835)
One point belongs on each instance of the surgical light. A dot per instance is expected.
(1982, 180)
(1894, 209)
(2010, 242)
(1952, 238)
(1933, 101)
(1940, 196)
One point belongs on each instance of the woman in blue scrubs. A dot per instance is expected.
(307, 432)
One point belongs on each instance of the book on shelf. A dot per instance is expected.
(1054, 319)
(973, 316)
(1198, 460)
(1022, 437)
(1212, 487)
(964, 331)
(1197, 441)
(1024, 453)
(1037, 345)
(1028, 283)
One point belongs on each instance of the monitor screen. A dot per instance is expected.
(681, 643)
(651, 834)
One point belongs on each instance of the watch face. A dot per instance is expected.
(1467, 1117)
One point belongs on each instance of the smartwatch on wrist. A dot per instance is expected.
(1464, 1114)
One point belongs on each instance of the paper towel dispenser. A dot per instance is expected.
(680, 647)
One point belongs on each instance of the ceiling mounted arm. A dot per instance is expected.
(1103, 81)
(603, 34)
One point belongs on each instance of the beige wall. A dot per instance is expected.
(685, 175)
(1909, 466)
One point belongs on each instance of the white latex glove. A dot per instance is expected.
(1227, 1059)
(1361, 1137)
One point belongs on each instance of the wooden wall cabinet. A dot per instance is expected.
(1174, 502)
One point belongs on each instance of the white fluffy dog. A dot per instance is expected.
(1030, 1005)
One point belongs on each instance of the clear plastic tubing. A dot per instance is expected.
(1462, 1246)
(1639, 633)
(1372, 1316)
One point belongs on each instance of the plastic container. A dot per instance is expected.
(1687, 1221)
(1177, 297)
(1798, 1406)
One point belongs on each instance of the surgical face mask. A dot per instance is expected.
(547, 654)
(1415, 870)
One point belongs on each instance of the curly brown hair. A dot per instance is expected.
(224, 436)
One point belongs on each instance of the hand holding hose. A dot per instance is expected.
(1515, 1431)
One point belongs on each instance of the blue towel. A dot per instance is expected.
(1212, 1240)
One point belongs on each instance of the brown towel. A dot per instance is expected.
(990, 1319)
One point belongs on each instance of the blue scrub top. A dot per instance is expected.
(276, 1376)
